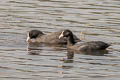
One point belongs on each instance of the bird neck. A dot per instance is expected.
(70, 41)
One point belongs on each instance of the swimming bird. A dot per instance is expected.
(51, 38)
(84, 46)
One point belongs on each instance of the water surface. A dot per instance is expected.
(97, 19)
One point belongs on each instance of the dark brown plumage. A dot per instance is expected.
(86, 46)
(52, 38)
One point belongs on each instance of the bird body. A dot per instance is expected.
(52, 38)
(83, 46)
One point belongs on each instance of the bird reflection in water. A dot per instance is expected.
(34, 48)
(70, 54)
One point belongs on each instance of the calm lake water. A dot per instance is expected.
(97, 19)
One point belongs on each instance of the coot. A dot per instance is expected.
(84, 46)
(53, 38)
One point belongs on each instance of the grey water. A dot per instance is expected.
(96, 19)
